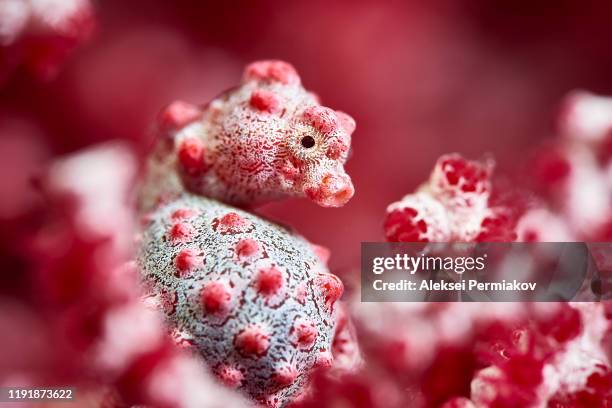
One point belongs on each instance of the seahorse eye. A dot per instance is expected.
(308, 142)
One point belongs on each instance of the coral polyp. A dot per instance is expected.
(40, 35)
(453, 205)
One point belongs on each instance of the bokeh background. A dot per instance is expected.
(420, 78)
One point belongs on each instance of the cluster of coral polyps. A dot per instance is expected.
(453, 205)
(573, 174)
(463, 354)
(266, 139)
(466, 355)
(504, 355)
(250, 296)
(39, 34)
(80, 320)
(571, 177)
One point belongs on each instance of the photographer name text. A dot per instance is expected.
(443, 285)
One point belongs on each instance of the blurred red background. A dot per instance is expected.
(420, 78)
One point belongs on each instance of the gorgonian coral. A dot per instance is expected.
(572, 174)
(466, 355)
(81, 299)
(453, 205)
(505, 354)
(39, 34)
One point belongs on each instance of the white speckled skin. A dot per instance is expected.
(253, 151)
(301, 296)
